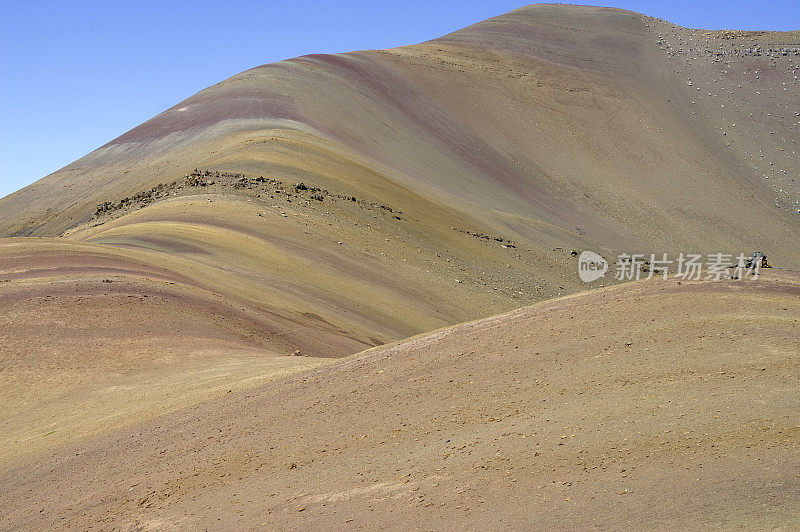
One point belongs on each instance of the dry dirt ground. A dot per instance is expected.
(188, 314)
(650, 404)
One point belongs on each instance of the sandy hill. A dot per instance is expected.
(650, 404)
(308, 210)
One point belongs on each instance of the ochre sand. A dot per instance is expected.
(650, 404)
(203, 355)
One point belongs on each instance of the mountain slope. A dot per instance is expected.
(330, 203)
(650, 404)
(576, 117)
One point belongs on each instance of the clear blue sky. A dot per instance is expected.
(74, 75)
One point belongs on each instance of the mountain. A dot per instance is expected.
(644, 405)
(274, 233)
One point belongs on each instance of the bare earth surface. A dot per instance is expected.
(651, 404)
(223, 317)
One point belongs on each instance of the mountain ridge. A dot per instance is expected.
(232, 249)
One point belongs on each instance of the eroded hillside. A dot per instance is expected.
(307, 210)
(652, 404)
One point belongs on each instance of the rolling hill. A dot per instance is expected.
(239, 270)
(652, 404)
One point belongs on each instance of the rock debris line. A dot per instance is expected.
(502, 241)
(198, 180)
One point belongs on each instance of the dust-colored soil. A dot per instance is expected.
(92, 342)
(652, 404)
(189, 315)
